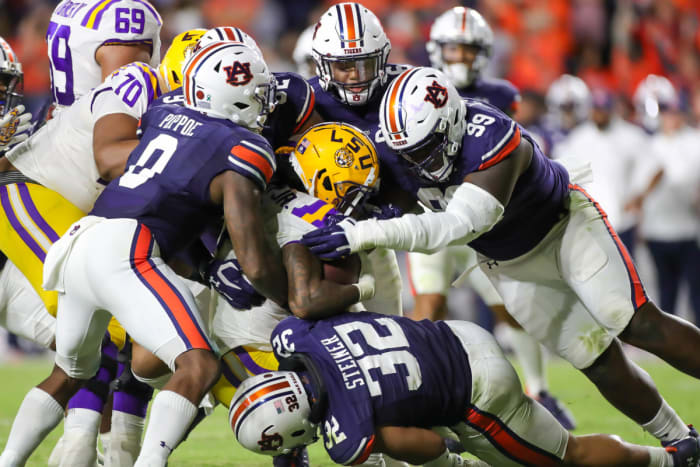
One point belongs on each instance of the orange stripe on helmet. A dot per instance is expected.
(393, 104)
(464, 19)
(191, 66)
(254, 397)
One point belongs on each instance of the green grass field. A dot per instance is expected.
(212, 443)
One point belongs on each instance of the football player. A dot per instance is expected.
(378, 384)
(88, 40)
(544, 243)
(460, 45)
(60, 156)
(568, 105)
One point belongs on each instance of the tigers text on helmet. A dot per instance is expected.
(653, 95)
(568, 101)
(228, 34)
(423, 118)
(337, 163)
(11, 78)
(170, 68)
(460, 25)
(230, 80)
(350, 49)
(270, 412)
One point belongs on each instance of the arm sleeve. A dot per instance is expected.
(471, 212)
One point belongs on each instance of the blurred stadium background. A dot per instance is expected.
(609, 44)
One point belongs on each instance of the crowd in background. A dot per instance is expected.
(612, 45)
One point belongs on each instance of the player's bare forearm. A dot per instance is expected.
(409, 444)
(112, 56)
(245, 225)
(114, 137)
(311, 296)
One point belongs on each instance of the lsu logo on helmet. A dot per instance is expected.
(238, 69)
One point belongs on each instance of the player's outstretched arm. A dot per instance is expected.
(241, 199)
(114, 137)
(112, 56)
(417, 446)
(310, 295)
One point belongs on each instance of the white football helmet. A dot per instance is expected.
(423, 118)
(568, 101)
(460, 25)
(303, 59)
(228, 34)
(269, 413)
(350, 37)
(654, 94)
(230, 80)
(11, 77)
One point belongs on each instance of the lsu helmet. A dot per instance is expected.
(270, 412)
(654, 94)
(350, 37)
(302, 56)
(460, 25)
(337, 163)
(170, 68)
(423, 119)
(228, 34)
(230, 80)
(568, 101)
(11, 78)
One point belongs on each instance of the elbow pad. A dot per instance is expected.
(471, 212)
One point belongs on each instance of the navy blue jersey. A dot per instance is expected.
(379, 370)
(497, 92)
(166, 183)
(538, 197)
(295, 104)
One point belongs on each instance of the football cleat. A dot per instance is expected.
(561, 413)
(685, 452)
(691, 432)
(299, 457)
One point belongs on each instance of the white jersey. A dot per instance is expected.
(669, 212)
(78, 28)
(616, 156)
(289, 215)
(59, 155)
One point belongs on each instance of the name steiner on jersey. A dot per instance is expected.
(344, 361)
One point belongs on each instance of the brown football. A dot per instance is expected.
(343, 271)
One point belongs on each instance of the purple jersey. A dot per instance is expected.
(537, 202)
(497, 92)
(166, 183)
(295, 103)
(379, 370)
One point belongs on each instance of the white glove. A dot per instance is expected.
(366, 284)
(447, 459)
(14, 127)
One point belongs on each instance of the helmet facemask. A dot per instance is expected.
(11, 87)
(265, 94)
(461, 74)
(369, 72)
(430, 158)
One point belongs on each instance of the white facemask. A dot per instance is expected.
(459, 74)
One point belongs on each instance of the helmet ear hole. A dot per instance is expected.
(298, 433)
(241, 105)
(327, 183)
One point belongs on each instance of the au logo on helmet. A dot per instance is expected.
(238, 74)
(436, 94)
(269, 442)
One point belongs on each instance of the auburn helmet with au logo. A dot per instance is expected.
(11, 78)
(423, 119)
(230, 80)
(338, 164)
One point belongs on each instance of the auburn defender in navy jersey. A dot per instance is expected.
(190, 161)
(543, 242)
(378, 384)
(460, 45)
